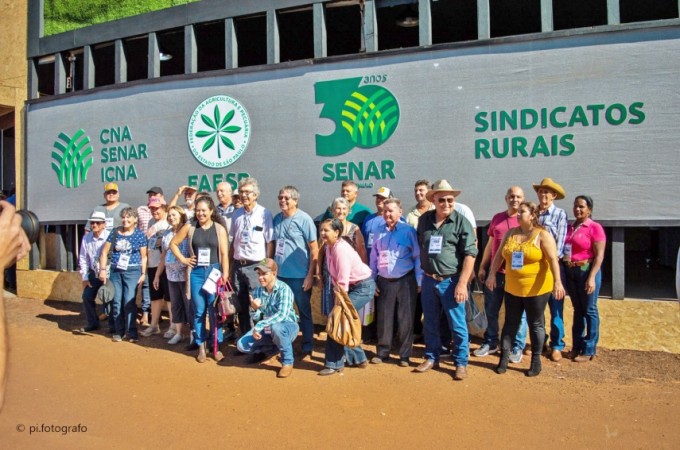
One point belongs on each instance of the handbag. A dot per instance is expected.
(344, 324)
(225, 301)
(474, 316)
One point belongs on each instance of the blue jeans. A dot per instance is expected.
(437, 296)
(303, 301)
(557, 318)
(586, 327)
(202, 303)
(146, 296)
(360, 294)
(492, 306)
(125, 300)
(89, 305)
(279, 341)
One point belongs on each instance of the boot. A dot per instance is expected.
(503, 363)
(535, 367)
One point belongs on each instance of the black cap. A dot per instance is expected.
(155, 190)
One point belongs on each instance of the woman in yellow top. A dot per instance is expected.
(532, 273)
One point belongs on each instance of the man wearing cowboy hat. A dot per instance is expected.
(447, 256)
(554, 220)
(88, 263)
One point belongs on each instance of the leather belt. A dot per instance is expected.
(577, 263)
(438, 277)
(245, 262)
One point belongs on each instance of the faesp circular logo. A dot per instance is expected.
(219, 131)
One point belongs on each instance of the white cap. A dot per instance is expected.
(98, 216)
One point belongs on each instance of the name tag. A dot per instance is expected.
(109, 223)
(517, 260)
(435, 245)
(370, 240)
(245, 237)
(123, 261)
(152, 242)
(280, 246)
(203, 256)
(383, 259)
(567, 252)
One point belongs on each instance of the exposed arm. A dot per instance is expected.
(360, 246)
(598, 249)
(174, 246)
(224, 252)
(550, 251)
(142, 252)
(313, 262)
(103, 260)
(486, 259)
(461, 291)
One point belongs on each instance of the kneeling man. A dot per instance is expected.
(276, 324)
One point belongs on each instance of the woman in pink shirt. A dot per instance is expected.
(583, 254)
(349, 272)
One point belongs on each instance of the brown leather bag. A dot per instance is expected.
(344, 324)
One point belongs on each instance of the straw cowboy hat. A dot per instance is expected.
(441, 186)
(550, 184)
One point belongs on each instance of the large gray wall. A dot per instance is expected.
(631, 168)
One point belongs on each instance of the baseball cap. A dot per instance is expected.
(155, 190)
(383, 192)
(110, 187)
(190, 188)
(155, 202)
(267, 265)
(98, 216)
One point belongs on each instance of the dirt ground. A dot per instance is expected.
(70, 390)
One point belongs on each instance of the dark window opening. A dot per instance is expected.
(296, 34)
(343, 30)
(45, 76)
(104, 58)
(579, 13)
(251, 34)
(512, 17)
(393, 35)
(136, 50)
(454, 21)
(73, 66)
(640, 11)
(210, 46)
(171, 43)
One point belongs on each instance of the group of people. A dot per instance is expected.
(397, 266)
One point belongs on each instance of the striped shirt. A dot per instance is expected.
(90, 249)
(554, 220)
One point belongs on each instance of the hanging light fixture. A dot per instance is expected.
(408, 18)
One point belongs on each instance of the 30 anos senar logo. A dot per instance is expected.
(73, 159)
(219, 131)
(365, 116)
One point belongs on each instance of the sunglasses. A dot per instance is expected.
(448, 200)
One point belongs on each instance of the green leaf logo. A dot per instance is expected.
(73, 160)
(219, 131)
(365, 116)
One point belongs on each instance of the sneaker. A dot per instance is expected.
(516, 356)
(485, 350)
(151, 330)
(117, 338)
(176, 339)
(170, 333)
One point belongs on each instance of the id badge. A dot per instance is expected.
(267, 329)
(280, 246)
(517, 260)
(370, 240)
(210, 285)
(383, 259)
(567, 252)
(435, 245)
(109, 223)
(123, 261)
(203, 256)
(152, 242)
(245, 237)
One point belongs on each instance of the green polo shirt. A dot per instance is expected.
(458, 241)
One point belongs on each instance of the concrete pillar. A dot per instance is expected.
(618, 263)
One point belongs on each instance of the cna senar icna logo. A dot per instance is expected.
(219, 131)
(72, 159)
(365, 115)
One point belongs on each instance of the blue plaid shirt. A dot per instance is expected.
(276, 307)
(554, 219)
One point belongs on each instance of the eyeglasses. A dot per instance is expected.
(448, 200)
(281, 197)
(110, 192)
(245, 193)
